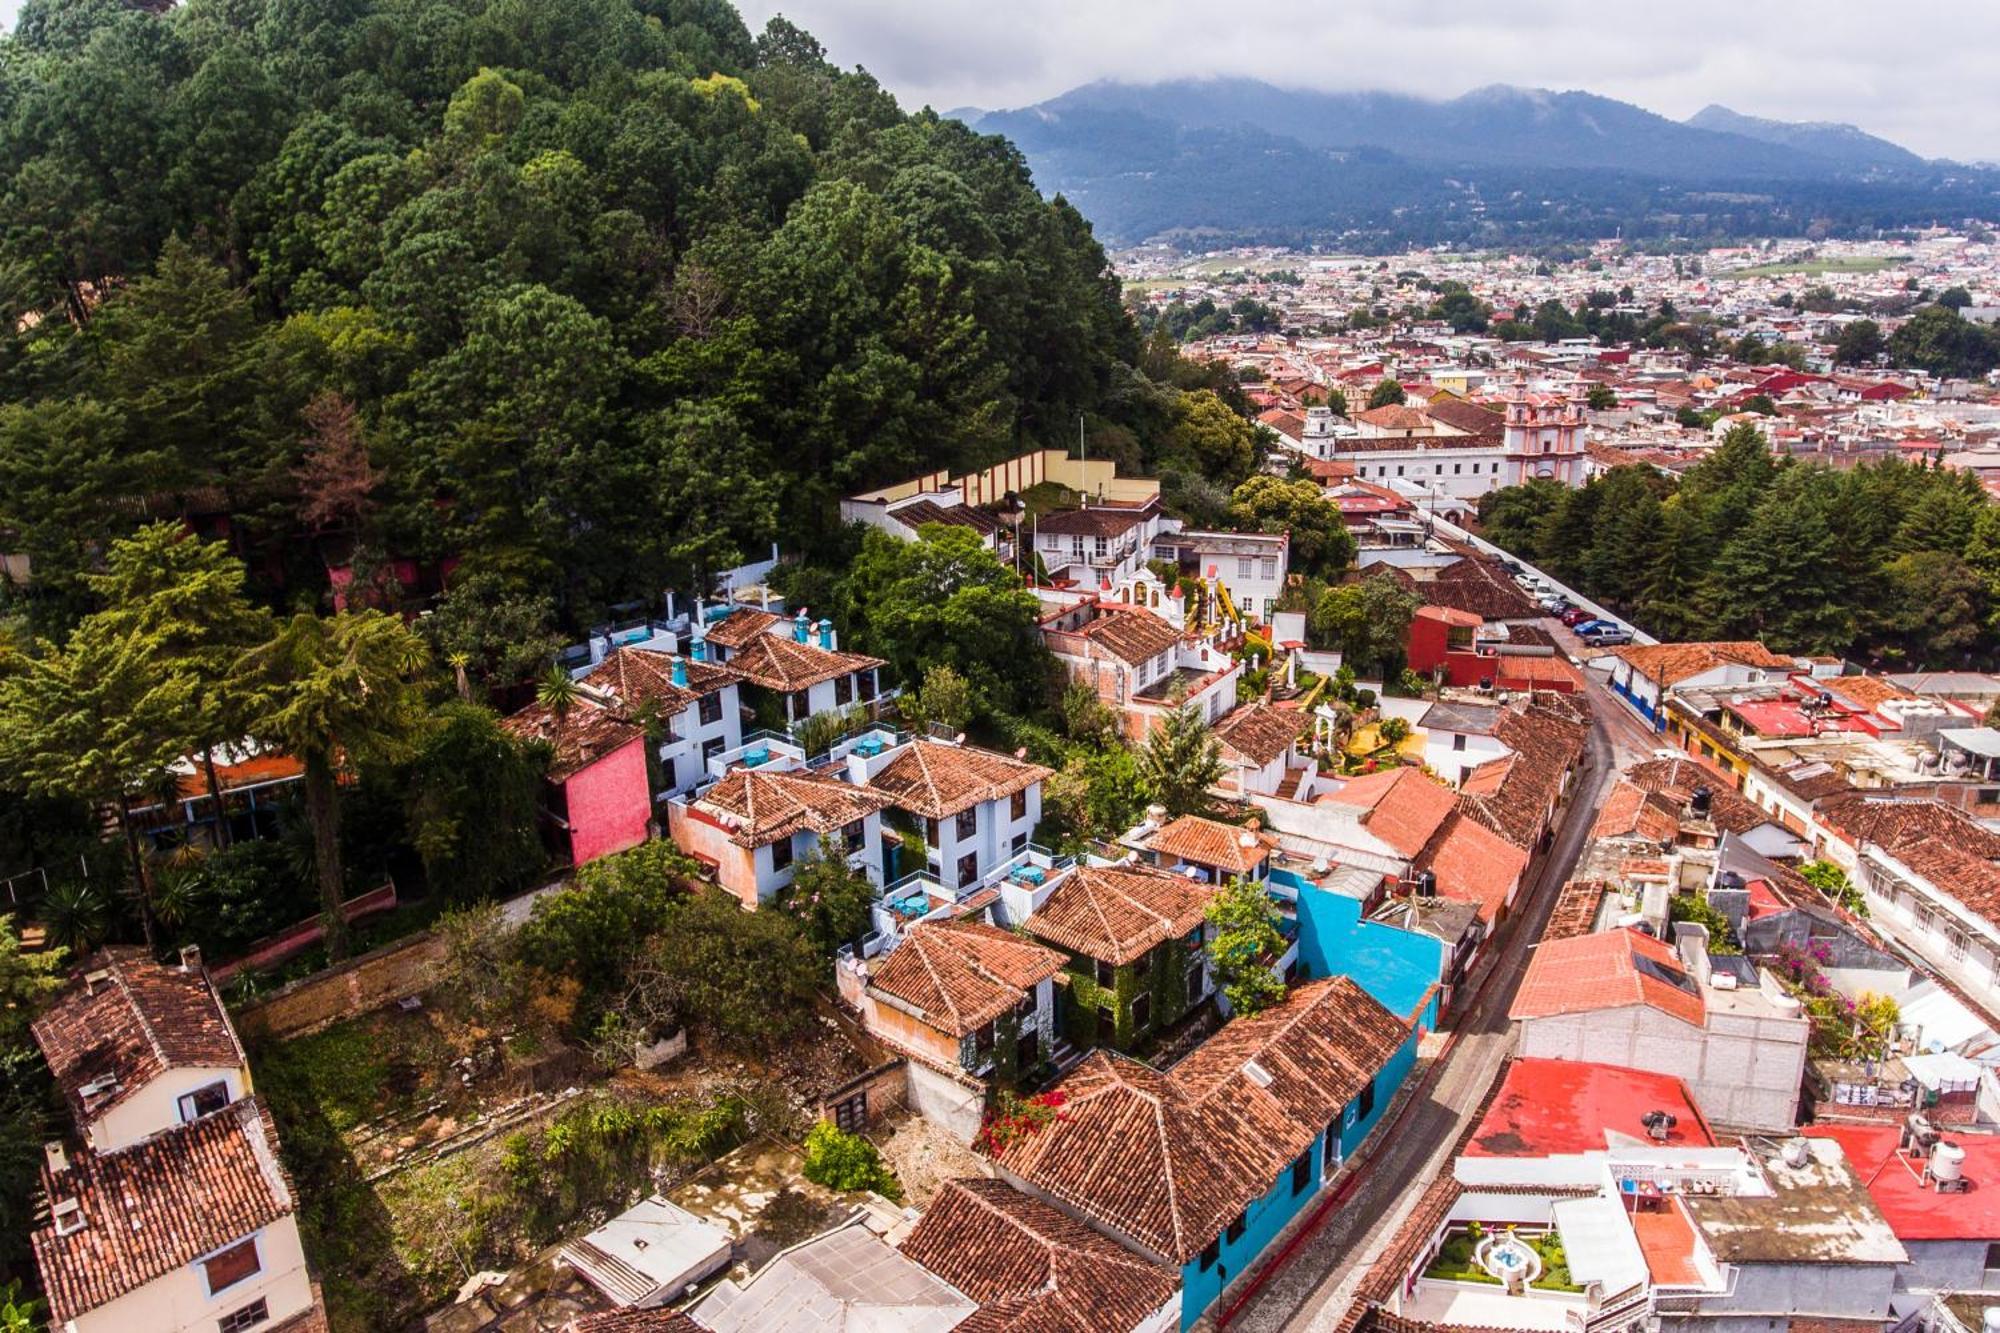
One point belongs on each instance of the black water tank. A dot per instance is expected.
(1699, 801)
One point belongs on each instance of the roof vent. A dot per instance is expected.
(1256, 1073)
(97, 1087)
(57, 1156)
(92, 980)
(68, 1214)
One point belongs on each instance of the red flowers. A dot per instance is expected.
(1013, 1118)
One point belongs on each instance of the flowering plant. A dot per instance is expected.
(1013, 1118)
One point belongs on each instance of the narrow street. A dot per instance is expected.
(1311, 1287)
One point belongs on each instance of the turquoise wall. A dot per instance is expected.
(1265, 1218)
(1397, 967)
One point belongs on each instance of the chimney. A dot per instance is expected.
(191, 959)
(681, 672)
(826, 635)
(57, 1158)
(801, 626)
(698, 647)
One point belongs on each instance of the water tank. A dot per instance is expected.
(1947, 1163)
(1989, 1320)
(1796, 1152)
(1699, 801)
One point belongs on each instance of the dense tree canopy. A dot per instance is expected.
(589, 298)
(1896, 563)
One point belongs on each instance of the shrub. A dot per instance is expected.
(843, 1161)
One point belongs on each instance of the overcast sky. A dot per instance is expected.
(1916, 71)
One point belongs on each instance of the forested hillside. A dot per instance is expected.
(587, 296)
(1894, 563)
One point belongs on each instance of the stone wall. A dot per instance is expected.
(356, 986)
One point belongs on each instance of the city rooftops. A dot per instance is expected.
(1914, 1207)
(1816, 1212)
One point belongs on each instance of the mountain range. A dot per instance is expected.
(1240, 157)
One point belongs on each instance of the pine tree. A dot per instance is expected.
(1181, 760)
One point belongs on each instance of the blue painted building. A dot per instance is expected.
(1202, 1166)
(1400, 968)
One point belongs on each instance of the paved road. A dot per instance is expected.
(1314, 1287)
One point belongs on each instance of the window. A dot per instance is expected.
(1302, 1173)
(1954, 943)
(1100, 547)
(1329, 1155)
(229, 1267)
(196, 1104)
(852, 1114)
(853, 835)
(1992, 1257)
(1399, 469)
(1210, 1253)
(1271, 572)
(1142, 1012)
(1076, 546)
(1365, 1103)
(983, 1039)
(843, 690)
(1051, 541)
(1456, 469)
(1196, 977)
(1458, 742)
(931, 831)
(1019, 844)
(967, 823)
(1243, 566)
(1234, 1232)
(1106, 973)
(251, 1315)
(1017, 805)
(968, 869)
(709, 710)
(781, 854)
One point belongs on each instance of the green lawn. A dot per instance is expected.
(1816, 267)
(1454, 1262)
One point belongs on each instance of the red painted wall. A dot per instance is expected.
(609, 803)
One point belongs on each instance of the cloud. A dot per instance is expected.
(1914, 74)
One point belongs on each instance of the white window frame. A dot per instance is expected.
(186, 1101)
(255, 1249)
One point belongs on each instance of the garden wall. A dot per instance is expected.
(356, 986)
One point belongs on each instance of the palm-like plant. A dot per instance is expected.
(333, 691)
(557, 692)
(76, 916)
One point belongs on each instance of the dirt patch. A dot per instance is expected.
(923, 1156)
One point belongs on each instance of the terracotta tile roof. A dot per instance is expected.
(1676, 662)
(1898, 823)
(1468, 417)
(1117, 914)
(586, 734)
(1209, 842)
(635, 676)
(1812, 780)
(1630, 812)
(1575, 912)
(1096, 521)
(1547, 741)
(936, 779)
(760, 806)
(1169, 1159)
(1608, 970)
(1864, 691)
(634, 1321)
(1404, 807)
(157, 1205)
(1330, 469)
(134, 1024)
(1262, 732)
(1032, 1268)
(777, 662)
(1394, 417)
(1132, 634)
(960, 975)
(1675, 780)
(741, 626)
(916, 514)
(1473, 864)
(1475, 585)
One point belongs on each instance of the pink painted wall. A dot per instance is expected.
(610, 803)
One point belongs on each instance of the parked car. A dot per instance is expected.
(1575, 616)
(1555, 604)
(1589, 626)
(1608, 637)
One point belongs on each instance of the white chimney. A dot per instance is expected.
(191, 959)
(58, 1158)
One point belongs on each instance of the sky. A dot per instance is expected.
(1917, 72)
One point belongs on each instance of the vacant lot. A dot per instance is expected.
(1816, 267)
(427, 1149)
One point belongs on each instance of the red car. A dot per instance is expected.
(1576, 615)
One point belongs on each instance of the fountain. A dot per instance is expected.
(1509, 1259)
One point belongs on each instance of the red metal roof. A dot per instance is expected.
(1547, 1108)
(1914, 1210)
